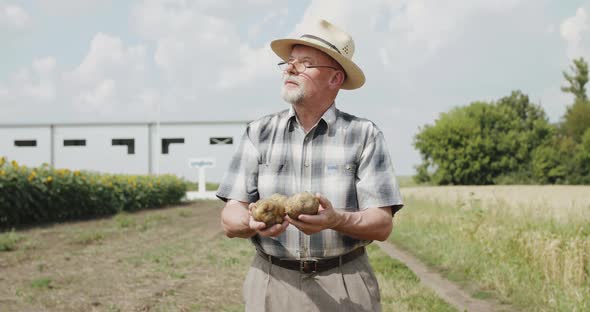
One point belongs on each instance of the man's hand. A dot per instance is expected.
(260, 227)
(237, 221)
(327, 218)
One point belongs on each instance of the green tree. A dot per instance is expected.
(553, 162)
(479, 143)
(581, 170)
(576, 119)
(577, 79)
(563, 161)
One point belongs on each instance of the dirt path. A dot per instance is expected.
(447, 290)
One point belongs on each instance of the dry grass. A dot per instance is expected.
(549, 202)
(528, 245)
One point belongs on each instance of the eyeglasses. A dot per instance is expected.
(300, 67)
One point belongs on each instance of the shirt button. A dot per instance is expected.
(306, 164)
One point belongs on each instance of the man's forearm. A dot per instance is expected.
(369, 224)
(234, 220)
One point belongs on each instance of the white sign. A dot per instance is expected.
(201, 162)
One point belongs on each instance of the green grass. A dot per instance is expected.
(88, 237)
(531, 263)
(209, 186)
(113, 308)
(124, 220)
(406, 181)
(9, 240)
(154, 220)
(185, 213)
(400, 288)
(42, 283)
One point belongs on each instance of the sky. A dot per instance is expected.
(106, 60)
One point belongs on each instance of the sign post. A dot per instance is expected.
(201, 164)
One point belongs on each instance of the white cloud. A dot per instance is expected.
(194, 55)
(254, 64)
(271, 19)
(109, 57)
(190, 46)
(260, 2)
(13, 17)
(101, 98)
(425, 27)
(403, 34)
(198, 48)
(111, 74)
(35, 83)
(197, 52)
(44, 66)
(72, 7)
(384, 57)
(576, 31)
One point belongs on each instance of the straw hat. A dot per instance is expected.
(331, 40)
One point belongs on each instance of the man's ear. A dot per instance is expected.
(337, 79)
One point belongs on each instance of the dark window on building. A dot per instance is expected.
(74, 142)
(166, 143)
(25, 143)
(130, 143)
(221, 141)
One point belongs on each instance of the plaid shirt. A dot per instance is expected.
(343, 157)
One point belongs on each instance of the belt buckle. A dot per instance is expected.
(308, 266)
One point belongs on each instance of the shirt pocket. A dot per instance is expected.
(340, 170)
(340, 185)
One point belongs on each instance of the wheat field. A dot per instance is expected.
(524, 245)
(548, 202)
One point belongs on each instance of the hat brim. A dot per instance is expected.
(355, 78)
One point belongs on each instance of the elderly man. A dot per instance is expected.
(315, 262)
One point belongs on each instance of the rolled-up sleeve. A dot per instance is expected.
(240, 181)
(376, 184)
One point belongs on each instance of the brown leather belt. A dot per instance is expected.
(312, 265)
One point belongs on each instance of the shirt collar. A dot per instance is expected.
(329, 115)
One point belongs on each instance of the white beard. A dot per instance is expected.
(293, 96)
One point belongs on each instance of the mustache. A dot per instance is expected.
(291, 78)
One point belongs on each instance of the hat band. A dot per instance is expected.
(322, 41)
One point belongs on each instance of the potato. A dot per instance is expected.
(279, 199)
(270, 210)
(301, 203)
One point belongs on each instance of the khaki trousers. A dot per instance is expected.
(350, 287)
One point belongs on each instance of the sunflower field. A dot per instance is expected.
(45, 194)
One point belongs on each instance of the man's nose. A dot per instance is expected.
(291, 68)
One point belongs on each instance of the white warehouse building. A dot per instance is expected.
(130, 148)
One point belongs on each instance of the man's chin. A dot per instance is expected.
(288, 100)
(291, 97)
